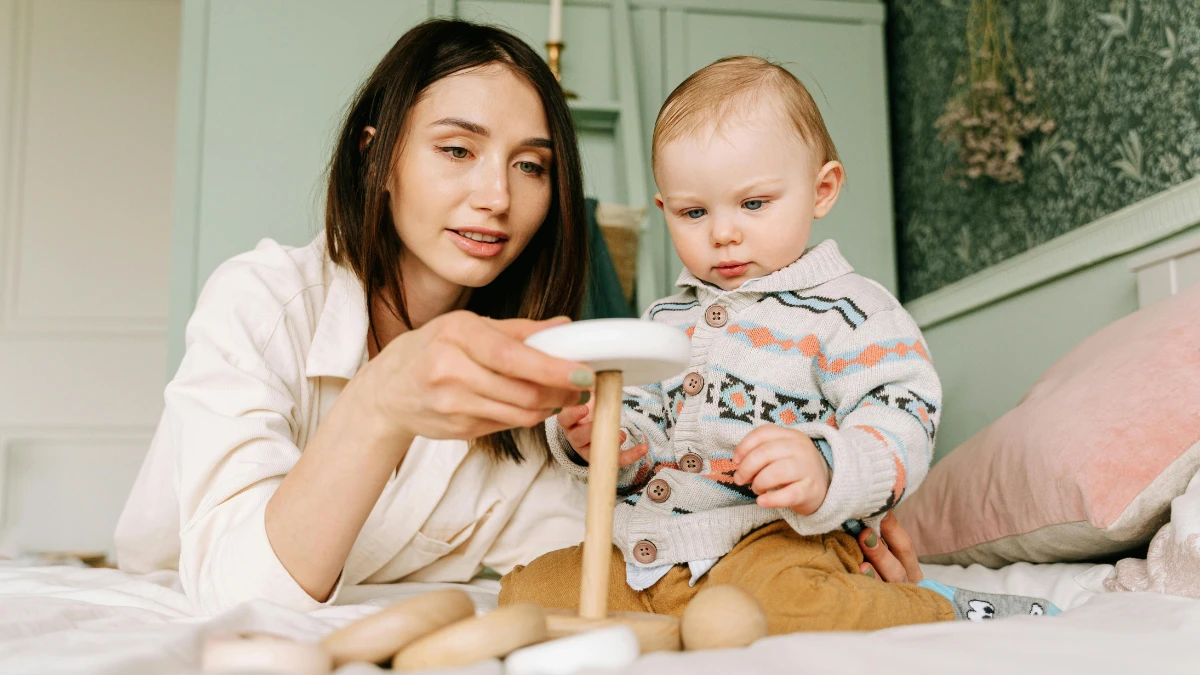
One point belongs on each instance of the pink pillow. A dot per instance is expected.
(1087, 463)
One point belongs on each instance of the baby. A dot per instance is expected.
(810, 403)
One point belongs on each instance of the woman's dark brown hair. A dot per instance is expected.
(548, 278)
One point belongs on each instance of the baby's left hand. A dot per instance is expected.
(784, 468)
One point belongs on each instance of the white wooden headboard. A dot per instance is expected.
(1166, 270)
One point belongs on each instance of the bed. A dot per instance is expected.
(83, 620)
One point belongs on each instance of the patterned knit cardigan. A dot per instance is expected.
(813, 347)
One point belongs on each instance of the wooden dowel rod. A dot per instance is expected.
(602, 496)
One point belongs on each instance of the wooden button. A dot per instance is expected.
(691, 463)
(693, 384)
(645, 552)
(658, 490)
(716, 316)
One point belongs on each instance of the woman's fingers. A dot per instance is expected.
(877, 554)
(867, 570)
(901, 546)
(499, 347)
(478, 378)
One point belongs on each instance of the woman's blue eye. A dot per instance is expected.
(457, 152)
(753, 204)
(695, 213)
(531, 168)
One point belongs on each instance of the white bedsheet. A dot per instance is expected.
(73, 620)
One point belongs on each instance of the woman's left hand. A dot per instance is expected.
(889, 554)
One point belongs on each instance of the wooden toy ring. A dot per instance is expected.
(377, 637)
(264, 653)
(645, 352)
(493, 635)
(654, 632)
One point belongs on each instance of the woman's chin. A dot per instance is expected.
(472, 273)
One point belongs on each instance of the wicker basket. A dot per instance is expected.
(621, 226)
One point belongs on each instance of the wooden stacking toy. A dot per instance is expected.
(622, 352)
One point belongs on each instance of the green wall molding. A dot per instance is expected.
(1133, 227)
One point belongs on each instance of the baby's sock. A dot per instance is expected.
(975, 606)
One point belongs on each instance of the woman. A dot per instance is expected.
(316, 432)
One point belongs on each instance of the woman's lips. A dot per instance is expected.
(732, 269)
(478, 249)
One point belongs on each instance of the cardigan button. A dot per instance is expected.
(691, 463)
(693, 384)
(716, 316)
(658, 490)
(645, 552)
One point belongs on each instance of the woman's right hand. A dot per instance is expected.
(462, 376)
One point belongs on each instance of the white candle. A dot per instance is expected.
(555, 21)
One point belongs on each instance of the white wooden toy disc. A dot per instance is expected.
(646, 352)
(606, 648)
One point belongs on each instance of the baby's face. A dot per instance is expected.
(740, 203)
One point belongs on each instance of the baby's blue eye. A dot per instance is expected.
(753, 204)
(695, 213)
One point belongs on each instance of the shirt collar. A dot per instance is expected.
(819, 264)
(339, 345)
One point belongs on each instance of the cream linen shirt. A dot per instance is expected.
(275, 336)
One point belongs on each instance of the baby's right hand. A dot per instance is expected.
(576, 423)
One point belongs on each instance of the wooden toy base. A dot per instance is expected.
(655, 632)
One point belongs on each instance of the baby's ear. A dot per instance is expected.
(829, 183)
(658, 201)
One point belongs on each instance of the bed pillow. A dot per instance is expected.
(1087, 463)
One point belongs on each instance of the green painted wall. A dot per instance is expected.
(989, 359)
(1121, 78)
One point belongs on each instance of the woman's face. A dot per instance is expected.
(472, 181)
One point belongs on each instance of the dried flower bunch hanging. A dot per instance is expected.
(992, 111)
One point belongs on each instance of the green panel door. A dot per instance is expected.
(263, 86)
(279, 77)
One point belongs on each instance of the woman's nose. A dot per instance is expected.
(491, 189)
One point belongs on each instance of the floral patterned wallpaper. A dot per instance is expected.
(1120, 79)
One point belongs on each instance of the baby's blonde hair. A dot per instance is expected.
(734, 84)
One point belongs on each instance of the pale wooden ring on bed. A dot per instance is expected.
(654, 632)
(493, 635)
(264, 653)
(377, 637)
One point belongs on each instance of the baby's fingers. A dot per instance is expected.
(627, 457)
(573, 415)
